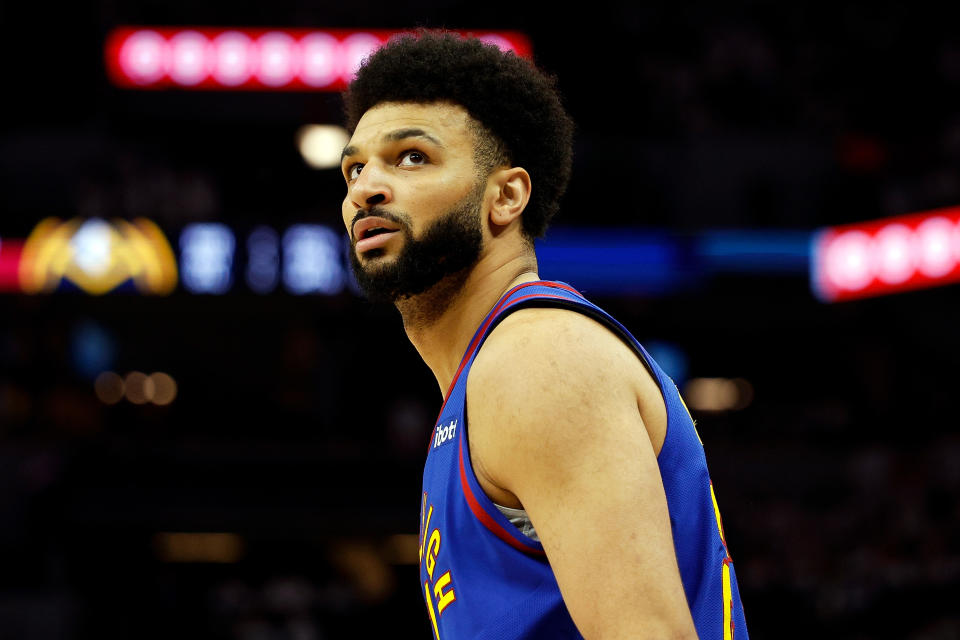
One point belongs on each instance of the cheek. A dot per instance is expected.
(440, 195)
(458, 182)
(347, 212)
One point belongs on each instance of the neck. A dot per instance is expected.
(441, 321)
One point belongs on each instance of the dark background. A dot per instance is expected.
(297, 431)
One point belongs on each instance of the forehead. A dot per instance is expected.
(448, 122)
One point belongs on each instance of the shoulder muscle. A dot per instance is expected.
(558, 377)
(554, 421)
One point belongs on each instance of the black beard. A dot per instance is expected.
(450, 245)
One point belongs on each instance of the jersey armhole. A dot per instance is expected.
(480, 503)
(564, 297)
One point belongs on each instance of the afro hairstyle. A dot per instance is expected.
(520, 119)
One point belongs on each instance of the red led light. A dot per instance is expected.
(280, 59)
(896, 259)
(10, 252)
(934, 239)
(233, 57)
(189, 58)
(887, 256)
(252, 59)
(319, 60)
(143, 57)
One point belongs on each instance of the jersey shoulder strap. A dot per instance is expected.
(545, 293)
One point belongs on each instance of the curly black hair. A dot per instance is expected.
(519, 117)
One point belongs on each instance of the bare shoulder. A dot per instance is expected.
(558, 379)
(563, 421)
(555, 346)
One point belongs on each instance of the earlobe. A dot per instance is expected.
(513, 193)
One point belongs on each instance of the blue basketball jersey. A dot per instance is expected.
(483, 579)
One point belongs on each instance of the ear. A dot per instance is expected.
(512, 194)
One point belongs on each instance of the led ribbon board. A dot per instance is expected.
(253, 59)
(887, 256)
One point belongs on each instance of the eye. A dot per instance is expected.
(353, 171)
(412, 158)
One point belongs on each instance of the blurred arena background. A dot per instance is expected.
(205, 432)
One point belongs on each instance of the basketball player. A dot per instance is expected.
(565, 493)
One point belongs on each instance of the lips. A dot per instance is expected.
(373, 232)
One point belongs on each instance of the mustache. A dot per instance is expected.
(377, 212)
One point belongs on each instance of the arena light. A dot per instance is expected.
(887, 256)
(253, 59)
(402, 548)
(321, 145)
(164, 388)
(138, 388)
(754, 251)
(206, 257)
(714, 395)
(96, 256)
(199, 547)
(312, 260)
(605, 261)
(109, 387)
(10, 251)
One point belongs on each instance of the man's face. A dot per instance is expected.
(414, 198)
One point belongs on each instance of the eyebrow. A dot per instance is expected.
(403, 134)
(396, 136)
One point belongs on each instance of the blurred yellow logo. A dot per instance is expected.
(98, 256)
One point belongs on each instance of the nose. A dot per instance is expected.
(370, 188)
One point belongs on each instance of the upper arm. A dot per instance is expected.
(554, 421)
